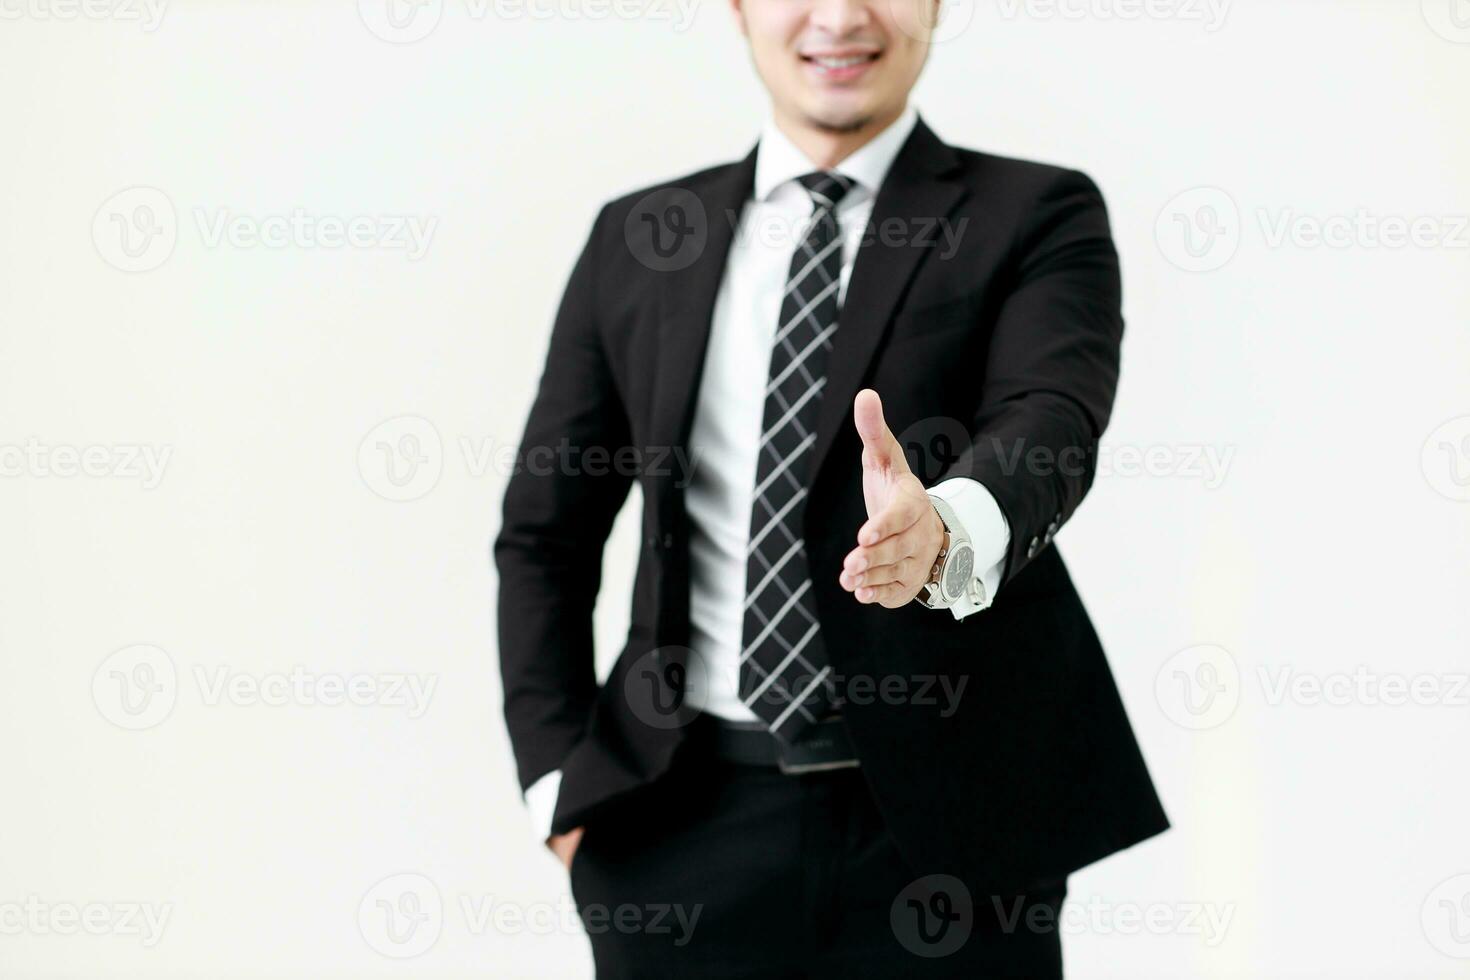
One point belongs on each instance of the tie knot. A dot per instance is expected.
(826, 187)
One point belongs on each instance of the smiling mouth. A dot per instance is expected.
(838, 65)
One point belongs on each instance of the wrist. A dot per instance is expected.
(952, 574)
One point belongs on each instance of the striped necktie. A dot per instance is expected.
(785, 677)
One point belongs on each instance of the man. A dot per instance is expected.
(862, 724)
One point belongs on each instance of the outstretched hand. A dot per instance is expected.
(898, 543)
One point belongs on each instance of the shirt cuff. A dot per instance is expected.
(985, 523)
(541, 801)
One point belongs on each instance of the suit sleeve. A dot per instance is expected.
(557, 513)
(1051, 370)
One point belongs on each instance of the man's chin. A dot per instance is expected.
(840, 121)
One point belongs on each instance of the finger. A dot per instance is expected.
(904, 570)
(897, 517)
(885, 552)
(893, 594)
(881, 450)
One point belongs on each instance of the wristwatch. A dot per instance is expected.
(953, 576)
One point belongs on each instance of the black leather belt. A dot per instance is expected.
(823, 746)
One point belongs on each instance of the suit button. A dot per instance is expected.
(652, 541)
(668, 540)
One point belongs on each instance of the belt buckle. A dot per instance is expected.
(815, 752)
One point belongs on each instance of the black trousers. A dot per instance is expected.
(721, 870)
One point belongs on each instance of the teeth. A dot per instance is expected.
(830, 63)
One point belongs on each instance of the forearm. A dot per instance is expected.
(1037, 459)
(557, 513)
(1051, 372)
(546, 664)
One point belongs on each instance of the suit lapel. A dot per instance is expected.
(913, 193)
(686, 306)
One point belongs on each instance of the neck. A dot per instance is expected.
(825, 147)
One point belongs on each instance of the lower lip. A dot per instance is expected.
(846, 74)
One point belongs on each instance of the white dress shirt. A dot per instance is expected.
(731, 402)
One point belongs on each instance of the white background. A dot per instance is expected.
(1329, 829)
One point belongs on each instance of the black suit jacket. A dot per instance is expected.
(1011, 338)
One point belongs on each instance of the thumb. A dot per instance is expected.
(880, 449)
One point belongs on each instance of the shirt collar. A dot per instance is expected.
(778, 160)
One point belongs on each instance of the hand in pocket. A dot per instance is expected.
(564, 846)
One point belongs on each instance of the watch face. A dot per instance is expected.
(958, 571)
